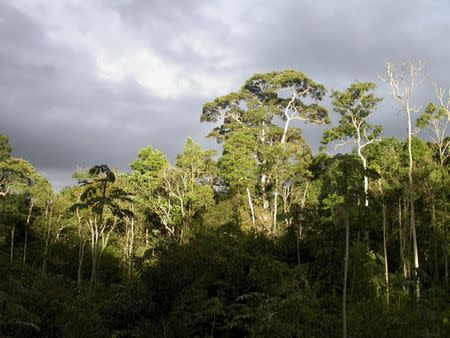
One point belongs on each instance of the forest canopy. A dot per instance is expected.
(265, 239)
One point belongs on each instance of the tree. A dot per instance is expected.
(287, 95)
(385, 157)
(402, 84)
(19, 177)
(52, 222)
(100, 196)
(23, 180)
(436, 120)
(355, 105)
(238, 166)
(146, 178)
(188, 185)
(342, 186)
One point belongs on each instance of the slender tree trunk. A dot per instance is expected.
(250, 203)
(402, 242)
(408, 238)
(366, 179)
(27, 224)
(265, 201)
(435, 254)
(444, 223)
(298, 244)
(25, 244)
(415, 247)
(300, 226)
(95, 242)
(285, 197)
(80, 265)
(344, 293)
(126, 247)
(81, 244)
(12, 243)
(354, 270)
(47, 239)
(299, 237)
(275, 206)
(412, 211)
(386, 267)
(131, 245)
(95, 252)
(212, 326)
(94, 269)
(264, 192)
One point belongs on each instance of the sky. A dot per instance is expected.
(86, 82)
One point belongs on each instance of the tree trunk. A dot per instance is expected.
(300, 226)
(95, 248)
(131, 245)
(350, 296)
(25, 243)
(94, 268)
(275, 206)
(12, 243)
(366, 179)
(81, 245)
(435, 254)
(415, 248)
(80, 265)
(386, 268)
(344, 293)
(265, 201)
(299, 237)
(264, 192)
(47, 238)
(402, 242)
(444, 223)
(250, 203)
(412, 212)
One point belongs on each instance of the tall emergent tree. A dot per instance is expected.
(253, 112)
(402, 83)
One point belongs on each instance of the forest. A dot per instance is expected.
(264, 238)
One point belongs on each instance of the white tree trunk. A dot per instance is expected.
(386, 267)
(250, 203)
(275, 206)
(412, 212)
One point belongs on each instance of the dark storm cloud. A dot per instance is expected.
(85, 83)
(60, 116)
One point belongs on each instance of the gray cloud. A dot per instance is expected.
(85, 83)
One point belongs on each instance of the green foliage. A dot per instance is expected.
(5, 148)
(148, 167)
(96, 197)
(355, 106)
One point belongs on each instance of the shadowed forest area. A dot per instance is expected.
(265, 239)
